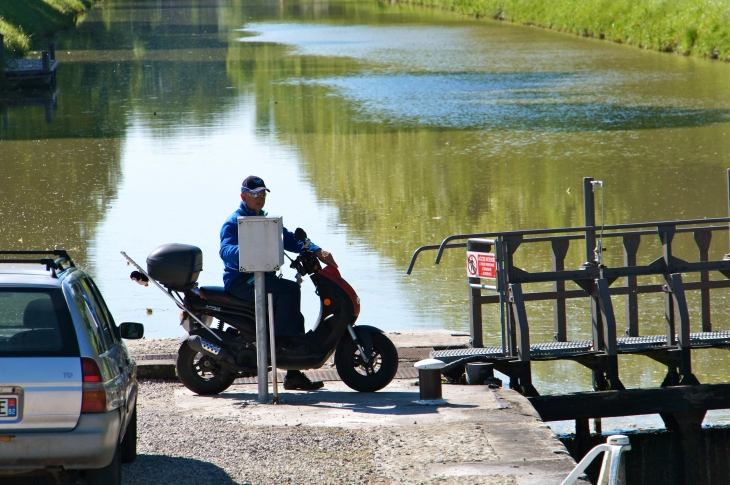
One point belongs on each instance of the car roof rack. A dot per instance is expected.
(51, 264)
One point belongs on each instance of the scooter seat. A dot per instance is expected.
(217, 295)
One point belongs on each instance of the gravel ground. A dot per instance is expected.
(178, 446)
(142, 347)
(226, 450)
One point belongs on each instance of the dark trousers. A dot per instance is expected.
(288, 320)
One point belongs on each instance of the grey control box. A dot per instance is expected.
(260, 243)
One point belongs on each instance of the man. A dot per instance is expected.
(288, 320)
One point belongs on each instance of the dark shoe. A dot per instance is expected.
(301, 382)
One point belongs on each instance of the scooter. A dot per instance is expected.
(213, 357)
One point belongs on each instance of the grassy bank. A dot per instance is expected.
(691, 27)
(25, 23)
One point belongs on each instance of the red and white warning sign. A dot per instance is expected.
(481, 265)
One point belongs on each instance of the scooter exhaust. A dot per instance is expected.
(206, 347)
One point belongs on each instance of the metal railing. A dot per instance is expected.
(595, 281)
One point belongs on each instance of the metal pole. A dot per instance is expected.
(475, 297)
(262, 360)
(727, 256)
(500, 288)
(272, 341)
(590, 218)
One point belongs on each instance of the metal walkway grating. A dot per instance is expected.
(566, 350)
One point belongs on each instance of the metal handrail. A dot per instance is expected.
(563, 230)
(612, 469)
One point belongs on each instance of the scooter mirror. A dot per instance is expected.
(300, 234)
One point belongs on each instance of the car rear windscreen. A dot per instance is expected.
(36, 323)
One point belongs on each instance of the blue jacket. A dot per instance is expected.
(229, 243)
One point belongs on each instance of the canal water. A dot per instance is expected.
(379, 128)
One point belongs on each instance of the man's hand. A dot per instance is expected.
(325, 257)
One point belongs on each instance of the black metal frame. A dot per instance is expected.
(595, 281)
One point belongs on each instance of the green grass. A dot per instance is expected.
(26, 23)
(690, 27)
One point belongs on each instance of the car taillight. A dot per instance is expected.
(94, 396)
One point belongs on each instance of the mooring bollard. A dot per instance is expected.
(429, 381)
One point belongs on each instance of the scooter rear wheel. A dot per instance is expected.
(199, 373)
(371, 377)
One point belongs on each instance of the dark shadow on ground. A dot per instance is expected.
(383, 403)
(152, 469)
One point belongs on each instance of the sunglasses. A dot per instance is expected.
(261, 194)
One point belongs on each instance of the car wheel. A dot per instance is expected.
(110, 474)
(129, 443)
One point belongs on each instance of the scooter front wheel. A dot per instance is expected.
(367, 377)
(200, 373)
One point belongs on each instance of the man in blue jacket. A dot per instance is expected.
(288, 320)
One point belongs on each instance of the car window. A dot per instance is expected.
(95, 333)
(35, 322)
(105, 310)
(99, 314)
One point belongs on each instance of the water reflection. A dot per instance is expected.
(505, 101)
(381, 127)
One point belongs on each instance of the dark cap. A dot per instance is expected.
(254, 184)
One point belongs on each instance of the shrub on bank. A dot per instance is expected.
(691, 27)
(26, 22)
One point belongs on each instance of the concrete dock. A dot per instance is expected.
(478, 436)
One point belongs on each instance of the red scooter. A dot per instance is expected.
(213, 356)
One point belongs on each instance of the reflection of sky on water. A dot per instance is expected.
(181, 188)
(504, 101)
(415, 75)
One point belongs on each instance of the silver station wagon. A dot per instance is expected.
(68, 386)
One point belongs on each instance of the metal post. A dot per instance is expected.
(503, 300)
(727, 256)
(523, 363)
(609, 334)
(560, 250)
(631, 247)
(262, 360)
(666, 235)
(682, 312)
(475, 297)
(703, 240)
(46, 60)
(510, 245)
(52, 50)
(589, 208)
(272, 341)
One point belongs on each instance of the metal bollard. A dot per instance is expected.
(478, 372)
(429, 381)
(46, 60)
(612, 468)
